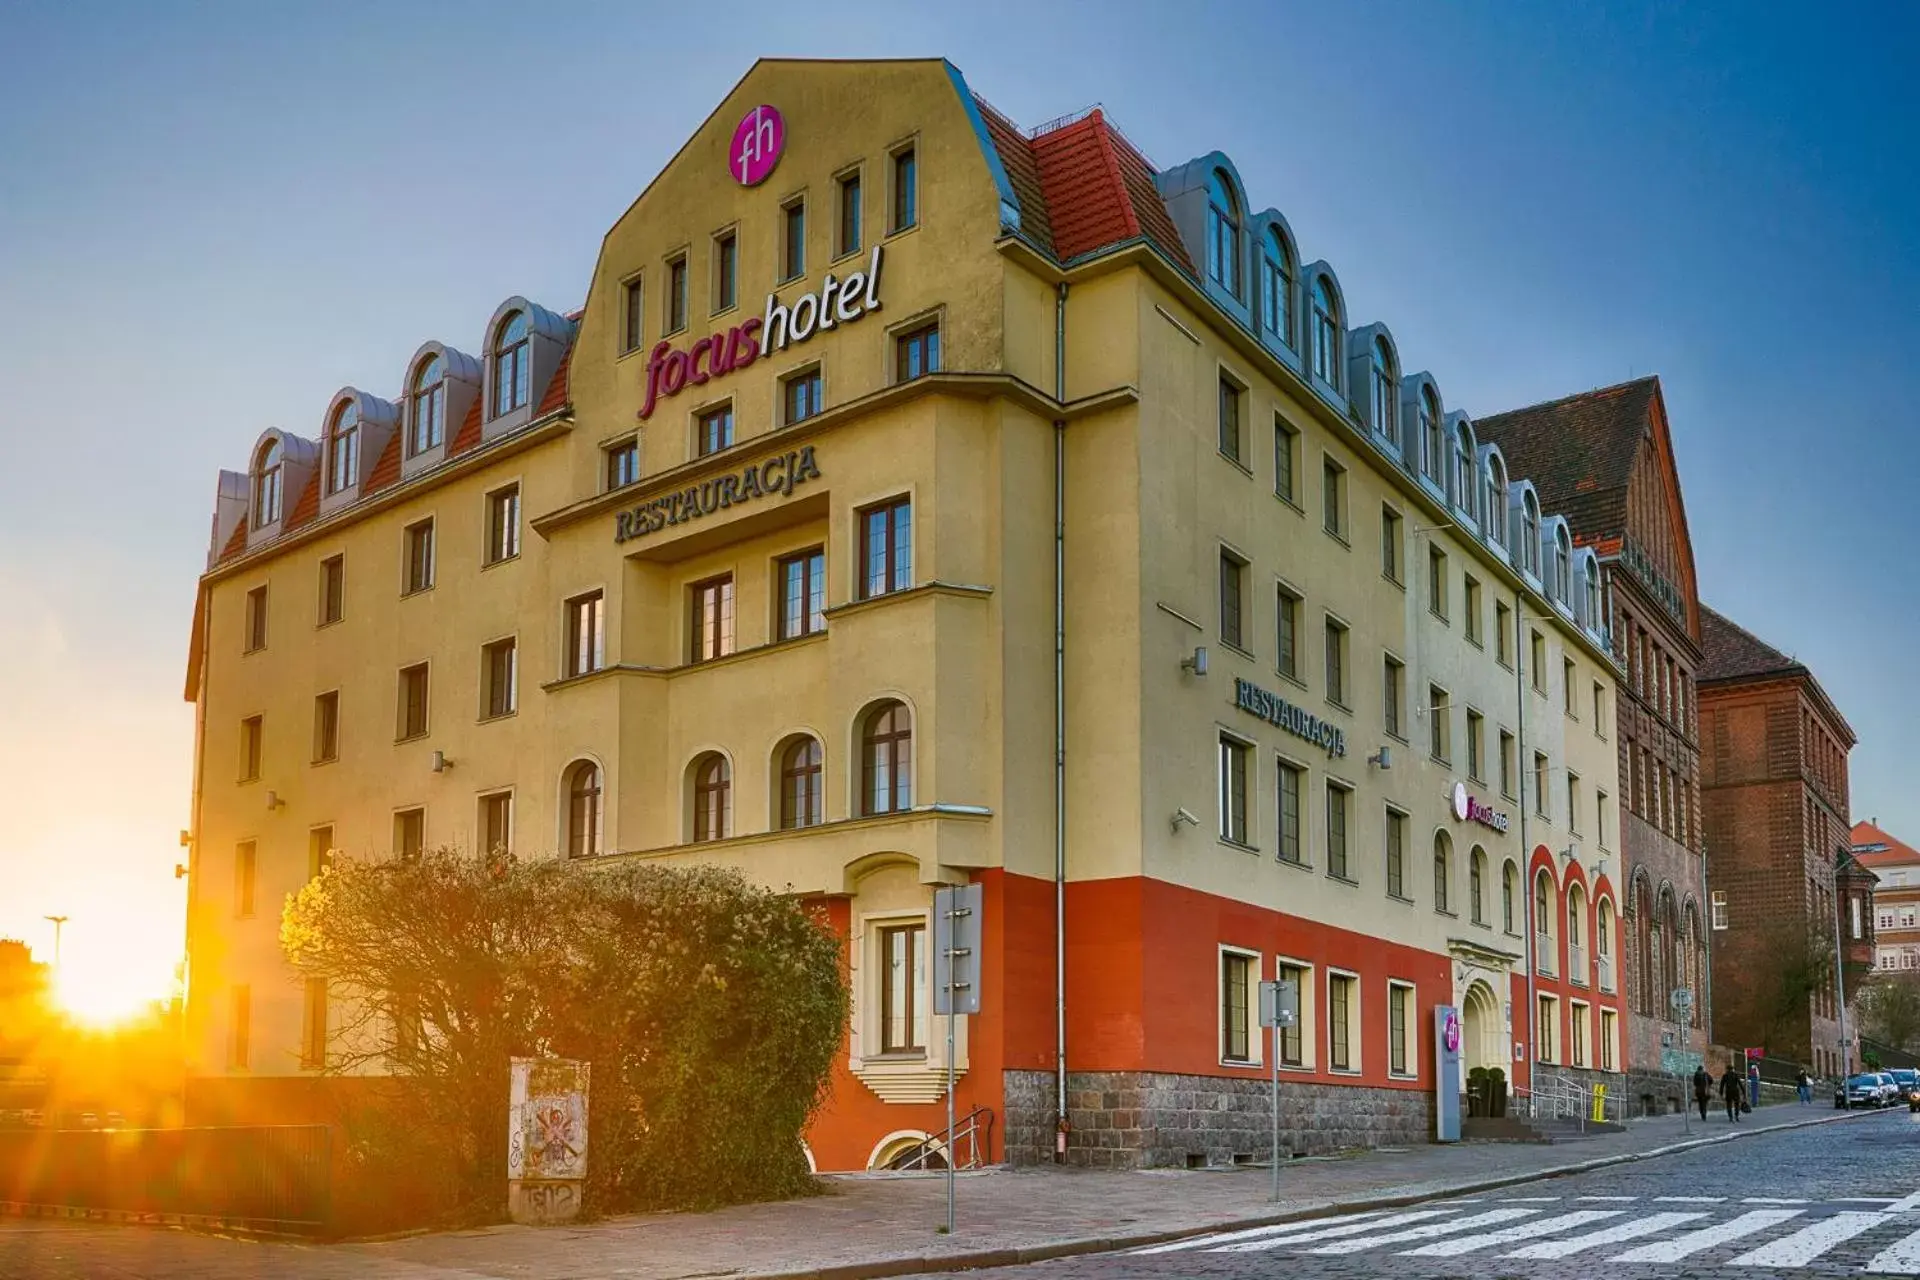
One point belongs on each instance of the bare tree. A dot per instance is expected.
(1890, 1010)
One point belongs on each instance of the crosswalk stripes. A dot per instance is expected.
(1719, 1233)
(1810, 1241)
(1493, 1217)
(1330, 1232)
(1255, 1233)
(1902, 1257)
(1513, 1235)
(1649, 1225)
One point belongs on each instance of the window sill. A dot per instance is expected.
(248, 653)
(324, 623)
(1398, 737)
(896, 232)
(1477, 642)
(417, 591)
(1235, 844)
(1337, 536)
(1340, 879)
(850, 251)
(1393, 581)
(1235, 463)
(246, 782)
(1442, 911)
(1229, 644)
(410, 737)
(1343, 1071)
(1284, 500)
(1295, 863)
(504, 715)
(1399, 897)
(1338, 705)
(1439, 759)
(332, 759)
(1402, 1075)
(1292, 679)
(495, 564)
(1442, 618)
(1298, 1068)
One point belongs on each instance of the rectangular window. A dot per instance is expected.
(326, 727)
(1569, 680)
(916, 353)
(1540, 784)
(1286, 449)
(886, 548)
(496, 822)
(1287, 628)
(1390, 543)
(903, 961)
(1440, 723)
(1719, 908)
(503, 524)
(1236, 988)
(1235, 756)
(1506, 764)
(1600, 818)
(313, 1026)
(1229, 427)
(632, 315)
(726, 271)
(715, 428)
(586, 634)
(413, 702)
(1599, 709)
(500, 671)
(1396, 854)
(333, 589)
(1293, 1038)
(623, 464)
(1339, 803)
(710, 625)
(1393, 679)
(1543, 1029)
(1333, 498)
(240, 1042)
(1502, 634)
(1290, 780)
(1609, 1022)
(251, 732)
(1537, 652)
(1232, 574)
(677, 294)
(244, 869)
(906, 189)
(800, 397)
(1576, 1034)
(410, 834)
(793, 240)
(419, 557)
(1341, 1050)
(849, 229)
(1573, 802)
(1399, 1027)
(319, 851)
(1336, 662)
(1476, 744)
(1470, 607)
(1437, 593)
(256, 619)
(803, 593)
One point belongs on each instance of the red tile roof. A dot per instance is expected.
(1731, 652)
(1579, 452)
(236, 542)
(306, 508)
(386, 468)
(1023, 172)
(1897, 852)
(469, 433)
(557, 387)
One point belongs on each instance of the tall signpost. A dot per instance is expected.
(1682, 1001)
(1448, 1084)
(956, 983)
(1279, 1009)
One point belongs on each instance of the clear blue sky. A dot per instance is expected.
(211, 221)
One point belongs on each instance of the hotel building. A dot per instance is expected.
(916, 500)
(1896, 896)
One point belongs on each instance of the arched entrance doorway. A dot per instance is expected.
(1482, 1039)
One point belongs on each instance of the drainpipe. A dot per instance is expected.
(1060, 727)
(1706, 1018)
(1526, 850)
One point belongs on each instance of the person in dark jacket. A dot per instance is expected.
(1702, 1089)
(1733, 1091)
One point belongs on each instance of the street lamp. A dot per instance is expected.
(57, 922)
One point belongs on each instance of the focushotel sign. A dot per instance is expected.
(1468, 808)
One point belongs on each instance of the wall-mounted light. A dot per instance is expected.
(186, 839)
(274, 801)
(1181, 815)
(1382, 759)
(179, 871)
(440, 763)
(1197, 664)
(1570, 854)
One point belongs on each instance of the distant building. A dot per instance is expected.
(1779, 866)
(1896, 896)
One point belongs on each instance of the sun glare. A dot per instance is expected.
(104, 997)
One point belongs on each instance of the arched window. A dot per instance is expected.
(429, 406)
(1442, 871)
(1276, 287)
(510, 371)
(583, 810)
(266, 484)
(886, 760)
(1223, 234)
(712, 797)
(1460, 483)
(1562, 566)
(1497, 499)
(1670, 957)
(1383, 387)
(1646, 947)
(1576, 914)
(1509, 892)
(1697, 954)
(343, 448)
(1326, 333)
(800, 784)
(1593, 618)
(1477, 885)
(1433, 452)
(1543, 903)
(1530, 534)
(1603, 929)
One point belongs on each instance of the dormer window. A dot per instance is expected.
(1433, 451)
(1383, 391)
(429, 406)
(1497, 499)
(1276, 291)
(1460, 483)
(1593, 594)
(511, 366)
(1562, 566)
(1326, 333)
(1223, 234)
(1530, 534)
(266, 485)
(343, 448)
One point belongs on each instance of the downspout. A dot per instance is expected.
(1060, 726)
(1706, 1019)
(1526, 850)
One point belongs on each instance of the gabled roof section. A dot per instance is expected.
(307, 506)
(386, 470)
(1023, 174)
(235, 544)
(1579, 452)
(556, 396)
(465, 438)
(1898, 852)
(1731, 652)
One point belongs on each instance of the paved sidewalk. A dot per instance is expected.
(874, 1226)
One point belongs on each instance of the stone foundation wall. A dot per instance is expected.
(1146, 1120)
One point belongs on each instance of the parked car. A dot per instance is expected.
(1907, 1081)
(1869, 1089)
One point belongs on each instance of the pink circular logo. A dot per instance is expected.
(1452, 1033)
(757, 142)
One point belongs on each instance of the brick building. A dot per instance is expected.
(1780, 871)
(1896, 897)
(1605, 459)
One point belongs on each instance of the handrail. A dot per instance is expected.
(975, 1129)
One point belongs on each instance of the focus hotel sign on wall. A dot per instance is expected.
(1469, 808)
(1276, 710)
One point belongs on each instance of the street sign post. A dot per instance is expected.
(1279, 1009)
(1681, 1001)
(956, 983)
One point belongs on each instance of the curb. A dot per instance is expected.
(1012, 1257)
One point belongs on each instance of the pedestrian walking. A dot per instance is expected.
(1702, 1089)
(1805, 1084)
(1753, 1085)
(1733, 1092)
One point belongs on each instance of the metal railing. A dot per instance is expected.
(971, 1136)
(1605, 966)
(1558, 1098)
(1577, 964)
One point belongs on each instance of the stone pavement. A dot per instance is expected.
(869, 1226)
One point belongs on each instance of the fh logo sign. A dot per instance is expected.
(758, 141)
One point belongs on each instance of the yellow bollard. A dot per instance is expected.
(1599, 1102)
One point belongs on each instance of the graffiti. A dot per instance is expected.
(539, 1202)
(550, 1131)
